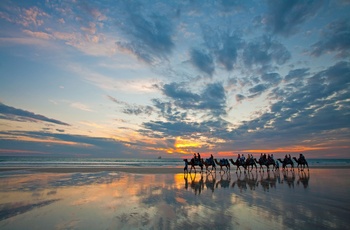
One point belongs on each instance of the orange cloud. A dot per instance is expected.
(286, 149)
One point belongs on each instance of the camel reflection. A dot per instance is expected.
(245, 181)
(210, 180)
(249, 179)
(304, 178)
(268, 180)
(196, 183)
(224, 181)
(289, 178)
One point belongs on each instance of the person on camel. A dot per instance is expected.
(198, 157)
(211, 159)
(242, 159)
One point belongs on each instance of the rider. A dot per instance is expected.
(301, 157)
(248, 158)
(198, 157)
(242, 159)
(211, 159)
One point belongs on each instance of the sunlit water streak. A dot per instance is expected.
(112, 200)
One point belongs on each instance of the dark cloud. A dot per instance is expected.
(116, 100)
(284, 17)
(258, 89)
(240, 97)
(150, 36)
(178, 92)
(160, 129)
(227, 54)
(271, 78)
(203, 61)
(132, 109)
(62, 144)
(314, 111)
(137, 110)
(265, 51)
(169, 111)
(223, 45)
(335, 38)
(297, 74)
(11, 113)
(212, 98)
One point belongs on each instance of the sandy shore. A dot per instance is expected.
(137, 170)
(166, 198)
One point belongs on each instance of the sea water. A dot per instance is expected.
(29, 161)
(26, 161)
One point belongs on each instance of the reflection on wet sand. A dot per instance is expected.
(111, 200)
(244, 181)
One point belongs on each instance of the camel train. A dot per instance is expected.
(265, 161)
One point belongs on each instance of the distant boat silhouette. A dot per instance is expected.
(159, 157)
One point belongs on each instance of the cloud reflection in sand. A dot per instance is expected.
(109, 200)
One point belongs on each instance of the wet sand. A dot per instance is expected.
(166, 198)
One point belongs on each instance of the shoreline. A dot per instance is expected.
(138, 170)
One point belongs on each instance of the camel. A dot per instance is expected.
(209, 162)
(250, 162)
(238, 163)
(223, 163)
(193, 163)
(302, 162)
(285, 162)
(266, 163)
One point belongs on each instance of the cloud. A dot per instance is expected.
(271, 78)
(284, 17)
(265, 51)
(41, 35)
(240, 97)
(81, 106)
(161, 129)
(202, 61)
(132, 109)
(258, 89)
(116, 100)
(335, 38)
(223, 45)
(311, 112)
(169, 111)
(297, 74)
(149, 36)
(137, 110)
(60, 143)
(11, 113)
(212, 97)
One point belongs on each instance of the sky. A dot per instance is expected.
(142, 79)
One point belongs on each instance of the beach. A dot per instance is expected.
(168, 198)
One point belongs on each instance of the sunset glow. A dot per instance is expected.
(142, 79)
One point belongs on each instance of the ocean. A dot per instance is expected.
(6, 161)
(34, 162)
